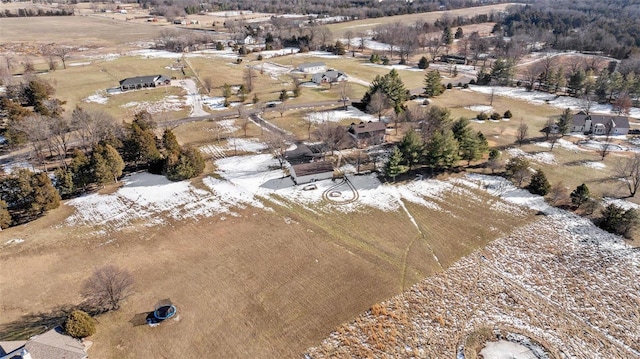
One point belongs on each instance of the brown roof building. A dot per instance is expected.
(367, 133)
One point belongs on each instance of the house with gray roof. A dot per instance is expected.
(311, 172)
(53, 344)
(600, 124)
(329, 77)
(312, 67)
(139, 82)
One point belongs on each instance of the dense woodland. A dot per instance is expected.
(607, 26)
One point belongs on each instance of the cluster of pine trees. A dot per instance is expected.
(440, 144)
(78, 152)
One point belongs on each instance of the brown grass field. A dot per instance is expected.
(368, 24)
(264, 284)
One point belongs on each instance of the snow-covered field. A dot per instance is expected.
(339, 115)
(540, 98)
(559, 280)
(541, 157)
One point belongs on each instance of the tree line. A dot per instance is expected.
(79, 152)
(349, 9)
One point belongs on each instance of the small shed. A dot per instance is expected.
(311, 172)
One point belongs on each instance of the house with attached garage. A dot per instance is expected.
(312, 67)
(53, 344)
(311, 172)
(600, 124)
(139, 82)
(329, 77)
(367, 133)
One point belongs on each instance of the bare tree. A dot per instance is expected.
(379, 102)
(345, 92)
(628, 171)
(277, 145)
(522, 133)
(37, 131)
(605, 148)
(93, 126)
(558, 194)
(434, 48)
(363, 41)
(60, 129)
(325, 35)
(63, 53)
(249, 77)
(281, 107)
(107, 288)
(218, 130)
(333, 137)
(348, 35)
(244, 120)
(308, 123)
(208, 84)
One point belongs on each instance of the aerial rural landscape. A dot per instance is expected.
(320, 179)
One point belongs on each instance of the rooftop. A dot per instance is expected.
(312, 168)
(365, 127)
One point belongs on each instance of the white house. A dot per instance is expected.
(311, 172)
(329, 77)
(312, 67)
(600, 124)
(249, 40)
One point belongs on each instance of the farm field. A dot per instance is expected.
(556, 282)
(368, 24)
(267, 276)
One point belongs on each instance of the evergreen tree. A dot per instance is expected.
(517, 170)
(140, 145)
(539, 184)
(432, 84)
(169, 142)
(459, 33)
(5, 216)
(564, 121)
(447, 36)
(461, 129)
(617, 220)
(106, 163)
(503, 71)
(284, 95)
(79, 324)
(410, 148)
(391, 86)
(339, 48)
(188, 164)
(80, 168)
(576, 83)
(494, 159)
(394, 166)
(441, 151)
(423, 63)
(580, 195)
(64, 182)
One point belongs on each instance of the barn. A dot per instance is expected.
(311, 172)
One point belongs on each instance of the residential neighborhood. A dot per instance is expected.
(319, 179)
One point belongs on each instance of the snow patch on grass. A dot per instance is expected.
(541, 157)
(339, 115)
